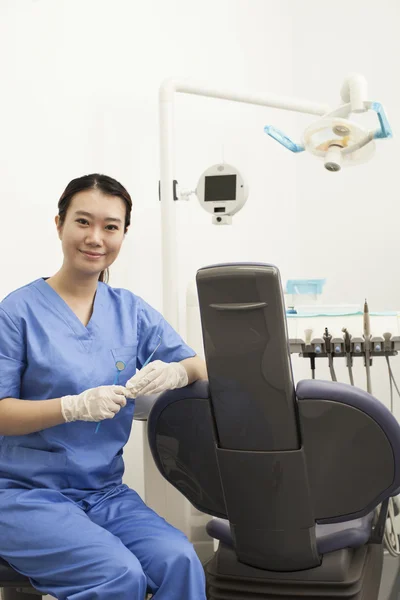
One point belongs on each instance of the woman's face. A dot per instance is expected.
(93, 231)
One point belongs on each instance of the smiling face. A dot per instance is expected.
(92, 232)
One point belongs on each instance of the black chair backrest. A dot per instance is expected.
(245, 344)
(259, 452)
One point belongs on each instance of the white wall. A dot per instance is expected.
(348, 225)
(80, 81)
(80, 94)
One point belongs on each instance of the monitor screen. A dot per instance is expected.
(220, 187)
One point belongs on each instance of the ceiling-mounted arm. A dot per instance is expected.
(353, 93)
(167, 93)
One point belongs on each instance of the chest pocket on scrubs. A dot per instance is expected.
(35, 468)
(127, 356)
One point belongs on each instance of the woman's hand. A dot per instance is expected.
(157, 377)
(95, 404)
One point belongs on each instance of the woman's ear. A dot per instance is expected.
(59, 227)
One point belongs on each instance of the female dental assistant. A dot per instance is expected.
(66, 519)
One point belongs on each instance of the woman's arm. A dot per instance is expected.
(19, 417)
(195, 368)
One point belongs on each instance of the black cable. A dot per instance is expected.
(331, 368)
(350, 370)
(312, 363)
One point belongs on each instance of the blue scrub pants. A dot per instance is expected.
(106, 545)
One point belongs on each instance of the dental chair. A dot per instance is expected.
(297, 479)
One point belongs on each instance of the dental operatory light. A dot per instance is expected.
(336, 138)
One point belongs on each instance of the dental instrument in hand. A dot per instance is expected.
(120, 366)
(152, 354)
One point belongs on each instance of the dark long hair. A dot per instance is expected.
(106, 185)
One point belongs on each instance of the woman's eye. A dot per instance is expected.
(86, 222)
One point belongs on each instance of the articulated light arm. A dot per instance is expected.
(167, 167)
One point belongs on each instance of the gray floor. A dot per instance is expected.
(390, 587)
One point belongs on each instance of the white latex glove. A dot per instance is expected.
(157, 377)
(95, 404)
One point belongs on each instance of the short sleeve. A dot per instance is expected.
(153, 331)
(12, 357)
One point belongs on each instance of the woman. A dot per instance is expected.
(69, 348)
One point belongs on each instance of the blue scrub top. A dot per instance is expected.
(47, 352)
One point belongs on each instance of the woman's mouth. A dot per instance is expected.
(92, 255)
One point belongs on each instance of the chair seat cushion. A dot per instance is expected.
(330, 536)
(8, 575)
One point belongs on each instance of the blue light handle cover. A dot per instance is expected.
(283, 139)
(385, 130)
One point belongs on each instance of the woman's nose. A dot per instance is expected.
(94, 236)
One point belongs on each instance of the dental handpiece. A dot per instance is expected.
(347, 346)
(327, 339)
(367, 323)
(328, 349)
(367, 338)
(347, 340)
